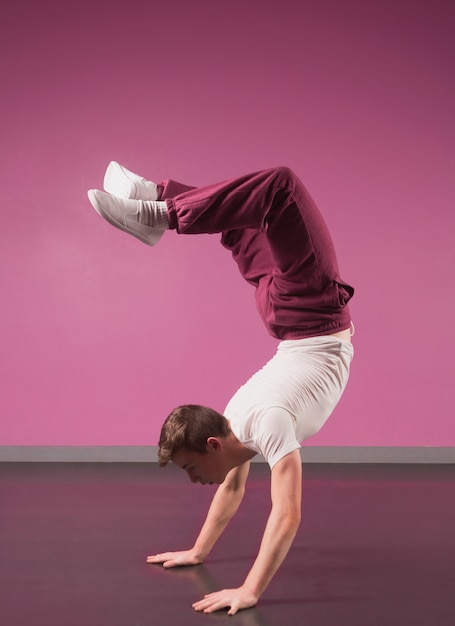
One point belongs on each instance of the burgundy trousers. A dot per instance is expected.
(280, 242)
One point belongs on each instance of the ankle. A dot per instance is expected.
(153, 213)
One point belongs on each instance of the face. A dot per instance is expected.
(207, 469)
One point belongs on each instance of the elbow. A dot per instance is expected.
(288, 518)
(234, 491)
(296, 521)
(291, 521)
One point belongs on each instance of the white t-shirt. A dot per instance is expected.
(291, 397)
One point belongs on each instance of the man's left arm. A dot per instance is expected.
(281, 528)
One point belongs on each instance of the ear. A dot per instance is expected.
(214, 444)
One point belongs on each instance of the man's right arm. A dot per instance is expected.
(225, 503)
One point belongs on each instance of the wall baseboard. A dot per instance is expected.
(148, 454)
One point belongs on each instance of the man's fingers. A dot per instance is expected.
(160, 558)
(211, 603)
(233, 599)
(175, 559)
(234, 608)
(156, 558)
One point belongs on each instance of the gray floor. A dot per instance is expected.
(376, 547)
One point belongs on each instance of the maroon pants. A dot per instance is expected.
(281, 245)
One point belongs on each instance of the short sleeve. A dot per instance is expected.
(275, 436)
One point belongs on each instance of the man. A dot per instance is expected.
(282, 247)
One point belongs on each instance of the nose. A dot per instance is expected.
(194, 479)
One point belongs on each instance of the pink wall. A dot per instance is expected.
(101, 335)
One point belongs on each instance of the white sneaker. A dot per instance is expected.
(126, 215)
(122, 183)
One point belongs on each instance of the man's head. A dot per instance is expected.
(190, 436)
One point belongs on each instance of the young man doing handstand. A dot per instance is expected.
(282, 247)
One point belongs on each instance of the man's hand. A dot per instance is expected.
(236, 599)
(176, 559)
(225, 503)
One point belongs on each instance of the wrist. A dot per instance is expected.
(252, 592)
(199, 552)
(252, 588)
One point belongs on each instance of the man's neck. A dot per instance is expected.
(238, 453)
